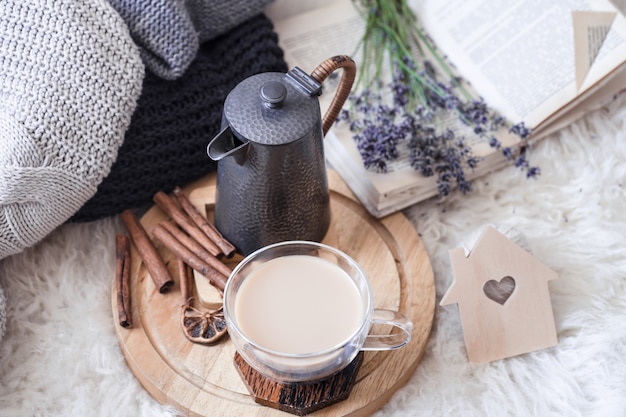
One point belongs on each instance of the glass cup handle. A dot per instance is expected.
(389, 341)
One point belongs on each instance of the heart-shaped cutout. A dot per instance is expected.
(500, 291)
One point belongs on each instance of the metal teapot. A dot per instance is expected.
(271, 172)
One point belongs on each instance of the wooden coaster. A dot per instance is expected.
(299, 398)
(201, 380)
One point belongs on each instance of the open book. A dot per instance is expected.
(543, 63)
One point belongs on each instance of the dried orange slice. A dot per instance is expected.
(203, 326)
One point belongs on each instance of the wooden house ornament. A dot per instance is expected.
(503, 298)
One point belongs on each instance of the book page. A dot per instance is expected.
(519, 55)
(311, 37)
(590, 31)
(279, 10)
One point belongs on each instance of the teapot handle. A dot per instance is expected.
(322, 72)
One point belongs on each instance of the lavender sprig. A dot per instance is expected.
(414, 105)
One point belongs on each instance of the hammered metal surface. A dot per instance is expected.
(277, 193)
(251, 119)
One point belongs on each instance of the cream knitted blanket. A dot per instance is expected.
(70, 76)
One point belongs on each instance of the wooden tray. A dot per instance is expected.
(202, 380)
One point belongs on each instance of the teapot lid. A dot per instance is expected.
(274, 108)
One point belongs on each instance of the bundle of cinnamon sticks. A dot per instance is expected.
(186, 233)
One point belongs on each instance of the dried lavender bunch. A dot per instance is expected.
(416, 105)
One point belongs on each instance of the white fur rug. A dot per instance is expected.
(60, 357)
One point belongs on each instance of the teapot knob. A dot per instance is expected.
(273, 93)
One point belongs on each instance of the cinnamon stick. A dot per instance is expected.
(195, 247)
(185, 280)
(169, 207)
(149, 254)
(217, 279)
(201, 221)
(122, 280)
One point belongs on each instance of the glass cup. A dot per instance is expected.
(353, 309)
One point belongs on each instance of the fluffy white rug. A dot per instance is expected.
(60, 356)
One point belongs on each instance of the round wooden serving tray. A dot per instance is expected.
(201, 380)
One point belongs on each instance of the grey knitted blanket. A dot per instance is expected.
(169, 32)
(70, 76)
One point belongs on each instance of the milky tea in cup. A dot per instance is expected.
(300, 311)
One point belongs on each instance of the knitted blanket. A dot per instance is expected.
(70, 77)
